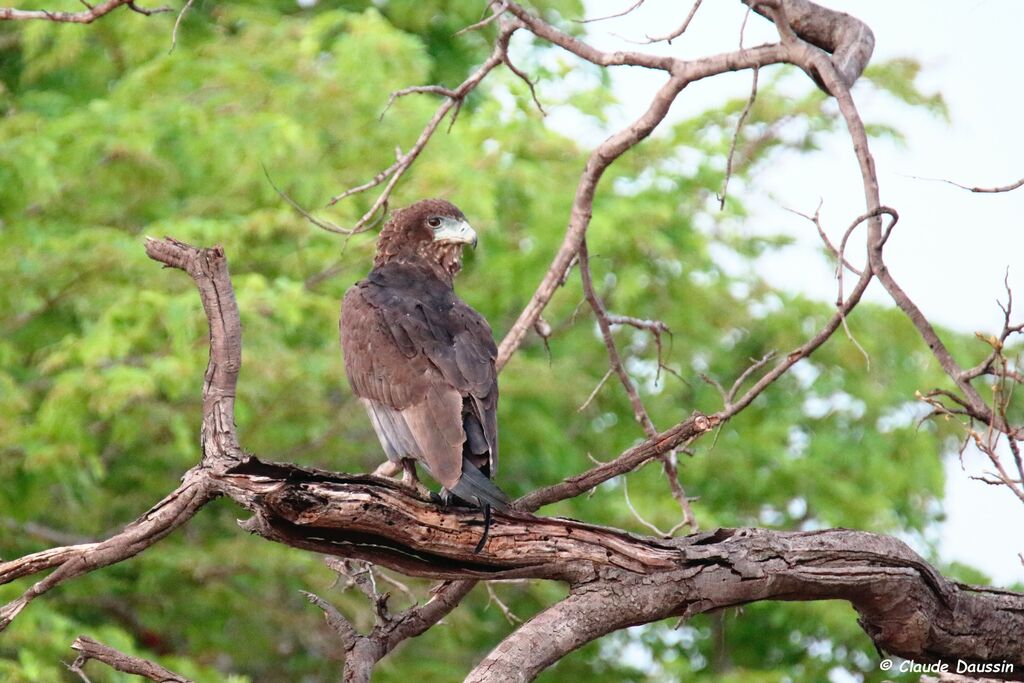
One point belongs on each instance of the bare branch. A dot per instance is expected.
(452, 102)
(816, 62)
(636, 515)
(493, 599)
(526, 79)
(981, 190)
(499, 9)
(639, 411)
(318, 222)
(336, 620)
(43, 532)
(672, 35)
(73, 561)
(208, 268)
(904, 605)
(681, 74)
(593, 394)
(611, 16)
(177, 22)
(848, 39)
(86, 16)
(735, 139)
(647, 450)
(119, 661)
(816, 219)
(614, 359)
(730, 395)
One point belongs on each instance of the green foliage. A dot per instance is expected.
(105, 137)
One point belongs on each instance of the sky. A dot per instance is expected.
(951, 248)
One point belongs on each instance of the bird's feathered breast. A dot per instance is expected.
(405, 333)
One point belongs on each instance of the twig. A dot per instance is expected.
(452, 102)
(398, 94)
(614, 358)
(594, 393)
(980, 190)
(611, 16)
(318, 222)
(492, 598)
(672, 35)
(44, 532)
(526, 79)
(498, 11)
(745, 375)
(841, 261)
(177, 22)
(361, 576)
(637, 515)
(735, 139)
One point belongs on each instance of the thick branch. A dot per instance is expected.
(550, 635)
(905, 607)
(618, 579)
(848, 39)
(209, 270)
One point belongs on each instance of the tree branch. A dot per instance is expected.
(619, 579)
(980, 190)
(119, 661)
(208, 269)
(848, 39)
(86, 16)
(72, 561)
(905, 607)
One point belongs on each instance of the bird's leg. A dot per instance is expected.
(410, 479)
(388, 468)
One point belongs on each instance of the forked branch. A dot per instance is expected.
(86, 16)
(119, 661)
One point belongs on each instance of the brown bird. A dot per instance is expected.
(421, 360)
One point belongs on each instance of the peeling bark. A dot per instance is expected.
(619, 579)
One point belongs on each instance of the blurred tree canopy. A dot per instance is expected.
(105, 137)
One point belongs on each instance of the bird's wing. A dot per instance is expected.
(414, 353)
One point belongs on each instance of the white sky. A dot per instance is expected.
(951, 247)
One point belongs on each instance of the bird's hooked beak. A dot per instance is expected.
(455, 230)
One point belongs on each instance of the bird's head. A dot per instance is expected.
(432, 230)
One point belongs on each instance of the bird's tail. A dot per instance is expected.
(474, 487)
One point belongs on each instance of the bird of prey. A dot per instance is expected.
(421, 360)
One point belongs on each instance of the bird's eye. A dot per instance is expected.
(434, 222)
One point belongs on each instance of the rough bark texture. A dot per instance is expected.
(616, 579)
(119, 661)
(848, 39)
(619, 579)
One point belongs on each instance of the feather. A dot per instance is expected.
(474, 487)
(422, 361)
